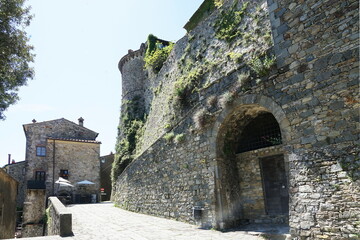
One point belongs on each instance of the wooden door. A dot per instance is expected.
(275, 185)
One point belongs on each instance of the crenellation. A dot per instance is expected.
(131, 55)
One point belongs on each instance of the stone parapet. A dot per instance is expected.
(131, 54)
(59, 220)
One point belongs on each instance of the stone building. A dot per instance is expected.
(8, 192)
(105, 173)
(58, 148)
(17, 171)
(253, 118)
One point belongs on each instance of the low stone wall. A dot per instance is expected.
(33, 230)
(59, 220)
(33, 215)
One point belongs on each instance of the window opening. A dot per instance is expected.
(41, 151)
(40, 176)
(263, 131)
(64, 174)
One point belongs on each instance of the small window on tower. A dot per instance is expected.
(64, 174)
(41, 151)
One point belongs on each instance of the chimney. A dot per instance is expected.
(9, 159)
(81, 121)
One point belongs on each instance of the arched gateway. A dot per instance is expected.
(252, 166)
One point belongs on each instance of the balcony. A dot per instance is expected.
(34, 184)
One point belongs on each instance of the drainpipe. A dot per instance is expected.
(53, 177)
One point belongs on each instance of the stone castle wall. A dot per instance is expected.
(313, 93)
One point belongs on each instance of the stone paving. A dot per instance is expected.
(104, 221)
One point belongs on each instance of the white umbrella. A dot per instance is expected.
(62, 180)
(65, 184)
(85, 182)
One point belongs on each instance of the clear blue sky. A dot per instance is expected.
(78, 44)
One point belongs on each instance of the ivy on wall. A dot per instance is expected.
(244, 39)
(131, 124)
(227, 25)
(156, 53)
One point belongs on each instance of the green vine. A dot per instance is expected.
(186, 84)
(218, 3)
(132, 128)
(262, 66)
(156, 53)
(169, 137)
(179, 138)
(227, 26)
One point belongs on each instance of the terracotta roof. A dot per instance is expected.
(75, 140)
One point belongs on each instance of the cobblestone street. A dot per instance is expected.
(104, 222)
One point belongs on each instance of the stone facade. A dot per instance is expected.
(68, 146)
(8, 192)
(17, 171)
(313, 94)
(59, 219)
(58, 148)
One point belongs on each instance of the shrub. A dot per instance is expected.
(185, 85)
(218, 3)
(130, 131)
(212, 101)
(244, 81)
(236, 57)
(227, 99)
(156, 53)
(202, 118)
(179, 138)
(262, 67)
(169, 136)
(156, 60)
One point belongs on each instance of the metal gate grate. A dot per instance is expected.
(263, 131)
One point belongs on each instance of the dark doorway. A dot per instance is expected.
(275, 185)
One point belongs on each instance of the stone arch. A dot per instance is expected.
(230, 172)
(262, 101)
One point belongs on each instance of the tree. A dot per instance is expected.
(15, 51)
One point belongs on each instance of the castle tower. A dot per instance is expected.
(131, 67)
(133, 75)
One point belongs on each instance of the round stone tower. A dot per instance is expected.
(131, 67)
(134, 75)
